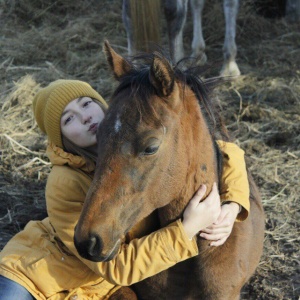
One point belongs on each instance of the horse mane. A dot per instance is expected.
(142, 91)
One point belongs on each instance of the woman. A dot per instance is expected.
(41, 262)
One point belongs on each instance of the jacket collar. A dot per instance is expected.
(58, 156)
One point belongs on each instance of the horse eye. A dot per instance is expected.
(150, 150)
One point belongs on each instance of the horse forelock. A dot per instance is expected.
(136, 90)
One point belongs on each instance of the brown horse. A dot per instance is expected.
(156, 147)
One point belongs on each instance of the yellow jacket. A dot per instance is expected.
(48, 268)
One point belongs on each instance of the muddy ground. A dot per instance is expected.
(41, 41)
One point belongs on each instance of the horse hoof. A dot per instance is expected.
(230, 69)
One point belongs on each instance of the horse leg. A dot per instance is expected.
(128, 25)
(230, 67)
(175, 13)
(198, 43)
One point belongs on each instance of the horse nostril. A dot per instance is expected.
(94, 246)
(90, 248)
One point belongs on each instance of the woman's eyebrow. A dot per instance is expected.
(79, 99)
(66, 111)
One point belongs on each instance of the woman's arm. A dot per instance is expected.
(234, 194)
(141, 258)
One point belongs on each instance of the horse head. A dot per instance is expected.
(154, 148)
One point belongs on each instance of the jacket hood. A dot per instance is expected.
(58, 156)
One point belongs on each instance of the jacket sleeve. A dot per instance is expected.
(137, 260)
(234, 182)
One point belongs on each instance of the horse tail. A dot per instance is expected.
(145, 16)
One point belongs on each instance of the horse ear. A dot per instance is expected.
(117, 63)
(162, 75)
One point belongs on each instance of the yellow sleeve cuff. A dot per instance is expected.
(234, 181)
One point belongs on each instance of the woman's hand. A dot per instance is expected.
(220, 230)
(199, 215)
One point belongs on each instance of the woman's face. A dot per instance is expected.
(80, 120)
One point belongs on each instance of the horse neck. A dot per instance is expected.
(198, 148)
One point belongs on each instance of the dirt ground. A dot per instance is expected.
(41, 41)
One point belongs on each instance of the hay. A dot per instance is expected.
(46, 40)
(20, 139)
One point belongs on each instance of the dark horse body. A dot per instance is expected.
(156, 146)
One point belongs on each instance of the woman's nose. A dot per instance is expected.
(86, 119)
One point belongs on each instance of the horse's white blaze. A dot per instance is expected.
(118, 124)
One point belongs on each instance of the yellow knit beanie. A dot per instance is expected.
(50, 102)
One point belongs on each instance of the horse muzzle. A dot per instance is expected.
(92, 248)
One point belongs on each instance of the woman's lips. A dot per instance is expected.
(93, 128)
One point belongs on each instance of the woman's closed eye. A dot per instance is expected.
(87, 103)
(68, 120)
